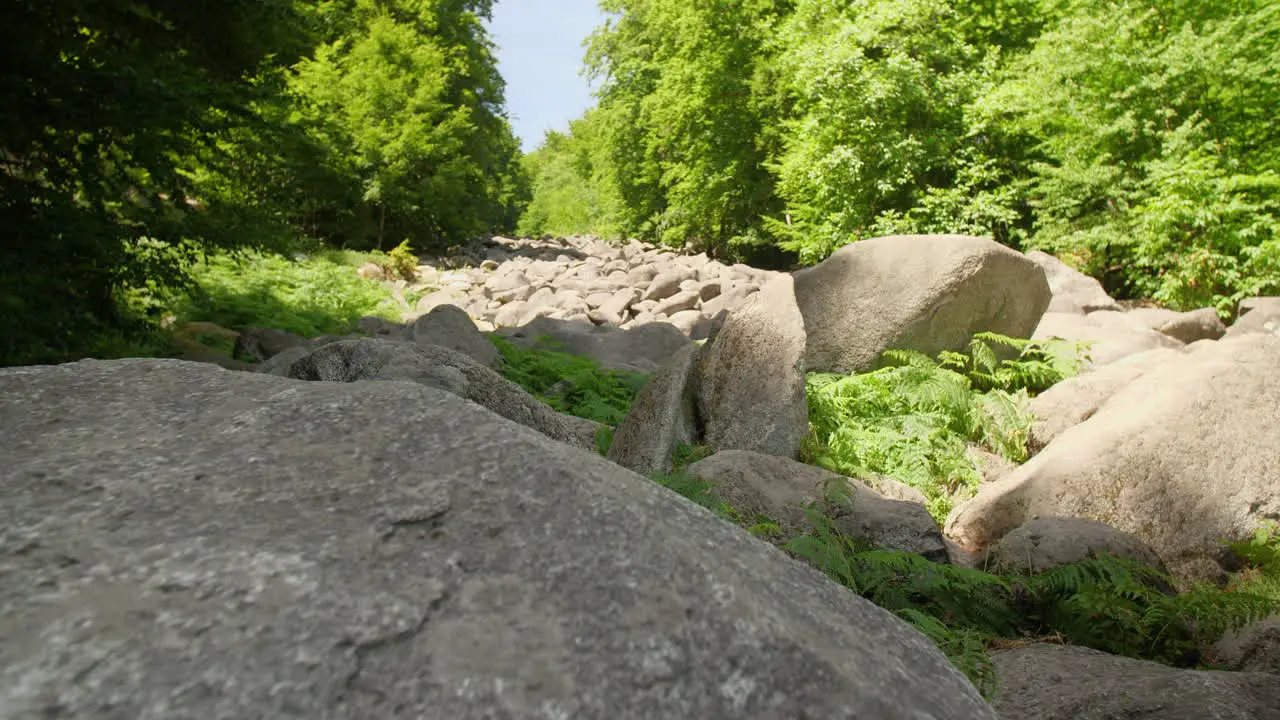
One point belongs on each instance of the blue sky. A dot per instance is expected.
(540, 55)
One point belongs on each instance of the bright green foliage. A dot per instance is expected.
(915, 420)
(310, 297)
(568, 194)
(681, 115)
(1136, 140)
(402, 262)
(1155, 145)
(570, 383)
(406, 100)
(1108, 603)
(1261, 557)
(880, 88)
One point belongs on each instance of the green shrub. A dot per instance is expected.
(310, 296)
(569, 383)
(402, 263)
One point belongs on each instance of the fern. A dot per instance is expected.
(914, 419)
(569, 383)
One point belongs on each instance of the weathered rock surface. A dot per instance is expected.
(1056, 682)
(751, 392)
(780, 489)
(444, 369)
(187, 543)
(662, 416)
(1183, 457)
(1186, 327)
(1049, 542)
(1114, 335)
(450, 327)
(928, 293)
(1258, 315)
(1253, 648)
(1076, 399)
(1073, 291)
(642, 349)
(258, 343)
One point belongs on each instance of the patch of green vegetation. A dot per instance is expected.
(570, 383)
(311, 296)
(1108, 603)
(914, 420)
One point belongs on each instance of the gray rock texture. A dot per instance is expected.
(444, 369)
(780, 489)
(920, 292)
(186, 543)
(1113, 335)
(1050, 542)
(450, 327)
(1056, 682)
(662, 416)
(751, 394)
(1253, 648)
(1183, 457)
(1073, 291)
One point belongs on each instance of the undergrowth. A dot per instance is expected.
(1108, 603)
(309, 296)
(914, 419)
(570, 383)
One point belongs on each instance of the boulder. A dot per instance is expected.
(372, 271)
(444, 369)
(641, 349)
(1186, 327)
(752, 392)
(1257, 315)
(449, 327)
(687, 322)
(662, 417)
(1073, 291)
(731, 299)
(258, 343)
(374, 325)
(1061, 682)
(1076, 399)
(780, 489)
(927, 293)
(434, 300)
(280, 363)
(1183, 457)
(195, 543)
(681, 301)
(1253, 648)
(1050, 542)
(1113, 335)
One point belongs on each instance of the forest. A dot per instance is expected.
(1139, 142)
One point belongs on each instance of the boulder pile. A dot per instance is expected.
(381, 524)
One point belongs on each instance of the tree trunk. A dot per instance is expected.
(382, 224)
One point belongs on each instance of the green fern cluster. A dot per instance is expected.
(570, 383)
(1108, 603)
(914, 419)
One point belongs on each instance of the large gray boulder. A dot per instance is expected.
(1057, 682)
(1183, 457)
(450, 327)
(1253, 648)
(1076, 399)
(1073, 291)
(1046, 543)
(663, 416)
(183, 543)
(1112, 335)
(751, 393)
(444, 369)
(919, 292)
(780, 489)
(257, 344)
(1257, 315)
(1186, 327)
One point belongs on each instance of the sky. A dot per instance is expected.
(540, 56)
